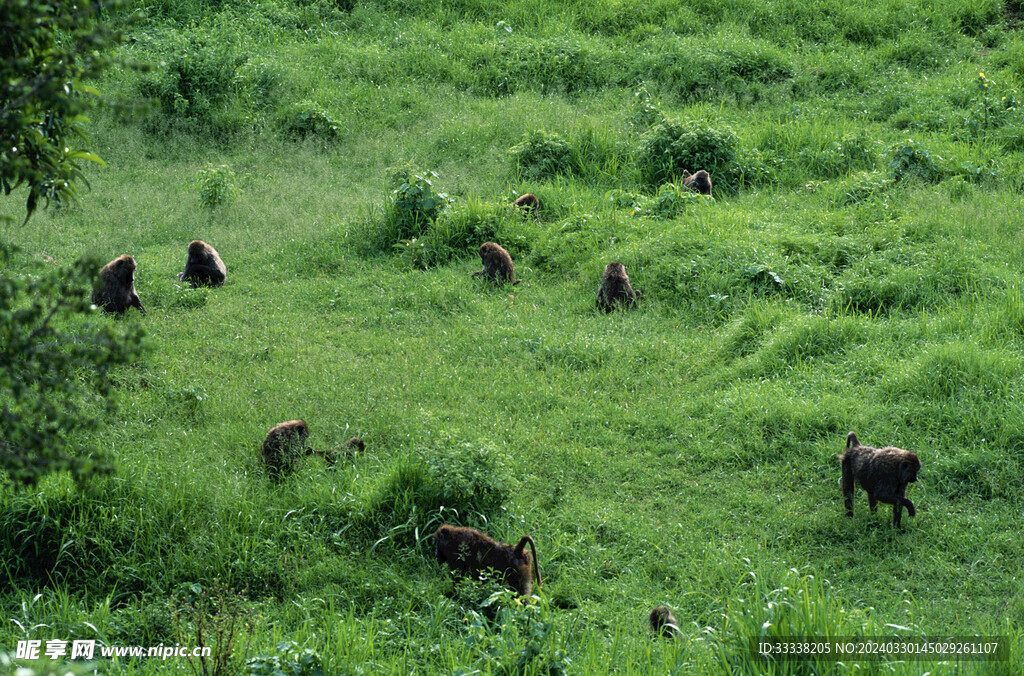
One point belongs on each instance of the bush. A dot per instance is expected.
(672, 146)
(541, 156)
(471, 478)
(459, 232)
(911, 160)
(306, 119)
(216, 185)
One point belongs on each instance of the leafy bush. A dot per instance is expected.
(672, 146)
(216, 185)
(471, 478)
(290, 660)
(459, 232)
(911, 160)
(541, 156)
(415, 205)
(306, 119)
(670, 201)
(522, 638)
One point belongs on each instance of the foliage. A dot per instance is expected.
(672, 146)
(522, 637)
(217, 185)
(55, 370)
(213, 617)
(670, 201)
(51, 48)
(290, 660)
(912, 160)
(204, 82)
(415, 205)
(306, 119)
(541, 155)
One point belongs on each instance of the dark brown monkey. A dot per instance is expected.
(467, 550)
(284, 445)
(497, 264)
(203, 267)
(529, 202)
(115, 290)
(700, 181)
(615, 288)
(883, 472)
(663, 621)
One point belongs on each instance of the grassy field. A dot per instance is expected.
(857, 269)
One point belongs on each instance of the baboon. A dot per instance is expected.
(467, 550)
(115, 290)
(284, 445)
(529, 202)
(700, 181)
(663, 621)
(203, 265)
(882, 472)
(615, 288)
(497, 264)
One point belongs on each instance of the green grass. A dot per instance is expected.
(683, 453)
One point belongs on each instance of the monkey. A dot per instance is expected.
(529, 202)
(700, 181)
(115, 290)
(467, 550)
(203, 265)
(882, 472)
(615, 288)
(663, 622)
(497, 264)
(284, 445)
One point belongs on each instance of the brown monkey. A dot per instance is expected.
(467, 550)
(284, 445)
(497, 264)
(663, 621)
(115, 290)
(883, 472)
(529, 202)
(700, 181)
(203, 265)
(615, 288)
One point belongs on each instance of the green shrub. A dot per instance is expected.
(911, 160)
(415, 205)
(290, 659)
(522, 638)
(672, 146)
(541, 156)
(465, 479)
(861, 188)
(459, 231)
(216, 185)
(306, 119)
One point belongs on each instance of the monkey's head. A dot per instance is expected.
(909, 466)
(196, 248)
(615, 270)
(124, 268)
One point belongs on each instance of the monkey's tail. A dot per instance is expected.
(536, 560)
(852, 440)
